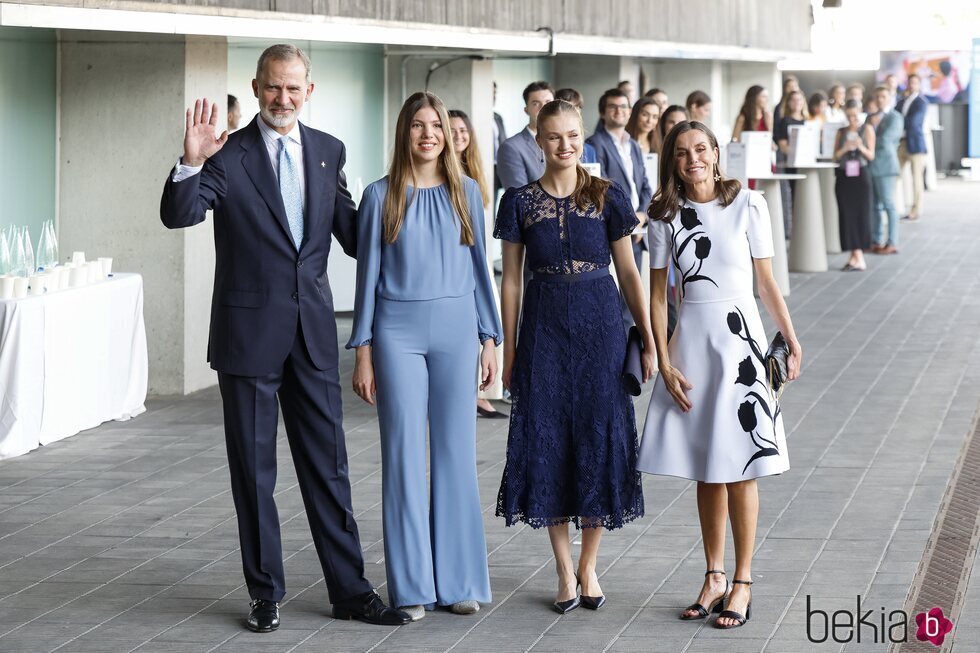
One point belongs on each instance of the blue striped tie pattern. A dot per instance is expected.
(292, 198)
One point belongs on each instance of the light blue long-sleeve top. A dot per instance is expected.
(426, 261)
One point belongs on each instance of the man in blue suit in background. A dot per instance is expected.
(621, 160)
(278, 192)
(912, 148)
(884, 172)
(519, 160)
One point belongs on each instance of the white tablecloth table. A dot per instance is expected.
(808, 245)
(769, 187)
(69, 361)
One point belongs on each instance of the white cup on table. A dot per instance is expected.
(94, 269)
(106, 262)
(78, 276)
(20, 287)
(6, 287)
(64, 277)
(78, 257)
(35, 285)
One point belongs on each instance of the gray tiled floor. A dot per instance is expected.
(123, 538)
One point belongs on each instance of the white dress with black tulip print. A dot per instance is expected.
(734, 430)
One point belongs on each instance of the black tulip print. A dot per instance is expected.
(689, 218)
(748, 375)
(702, 248)
(746, 416)
(734, 323)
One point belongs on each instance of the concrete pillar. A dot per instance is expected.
(629, 70)
(591, 76)
(719, 99)
(740, 76)
(122, 103)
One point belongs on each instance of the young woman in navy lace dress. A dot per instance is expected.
(572, 447)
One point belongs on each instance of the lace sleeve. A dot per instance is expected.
(620, 217)
(507, 225)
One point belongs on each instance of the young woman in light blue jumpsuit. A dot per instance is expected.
(423, 306)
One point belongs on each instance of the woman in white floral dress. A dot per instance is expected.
(712, 417)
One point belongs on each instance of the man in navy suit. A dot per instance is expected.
(912, 148)
(621, 160)
(278, 191)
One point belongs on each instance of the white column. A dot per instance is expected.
(123, 98)
(719, 104)
(205, 75)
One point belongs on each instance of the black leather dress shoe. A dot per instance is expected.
(369, 608)
(264, 617)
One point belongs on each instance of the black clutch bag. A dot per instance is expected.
(632, 367)
(776, 363)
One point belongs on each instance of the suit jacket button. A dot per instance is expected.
(299, 263)
(295, 295)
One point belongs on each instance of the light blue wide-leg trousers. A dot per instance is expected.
(424, 356)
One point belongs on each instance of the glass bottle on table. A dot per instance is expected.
(28, 252)
(53, 244)
(5, 261)
(18, 258)
(41, 260)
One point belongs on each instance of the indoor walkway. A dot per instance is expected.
(123, 538)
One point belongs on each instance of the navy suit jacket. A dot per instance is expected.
(264, 290)
(915, 138)
(612, 166)
(519, 160)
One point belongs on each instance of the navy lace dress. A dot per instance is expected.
(572, 446)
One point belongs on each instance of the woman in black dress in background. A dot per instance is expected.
(854, 147)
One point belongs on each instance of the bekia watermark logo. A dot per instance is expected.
(932, 626)
(877, 625)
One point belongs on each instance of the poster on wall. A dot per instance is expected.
(945, 74)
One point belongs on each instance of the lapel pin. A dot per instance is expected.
(323, 164)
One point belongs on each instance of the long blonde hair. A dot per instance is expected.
(470, 157)
(588, 189)
(402, 171)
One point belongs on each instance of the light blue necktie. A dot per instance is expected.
(292, 198)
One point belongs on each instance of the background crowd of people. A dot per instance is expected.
(888, 137)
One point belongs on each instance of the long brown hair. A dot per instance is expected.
(588, 189)
(633, 129)
(670, 195)
(470, 158)
(749, 107)
(662, 125)
(401, 173)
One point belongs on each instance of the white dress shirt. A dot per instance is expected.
(907, 103)
(626, 156)
(270, 137)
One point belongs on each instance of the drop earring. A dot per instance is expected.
(717, 174)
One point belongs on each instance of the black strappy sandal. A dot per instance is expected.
(715, 606)
(739, 618)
